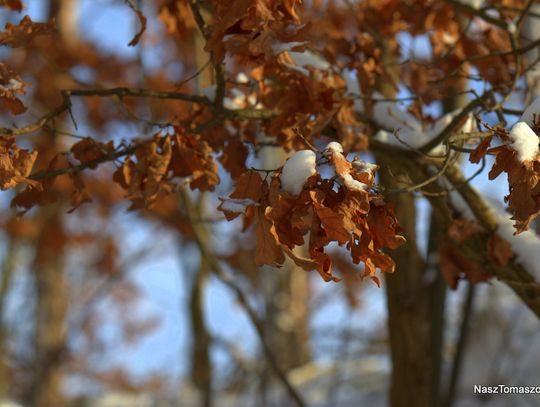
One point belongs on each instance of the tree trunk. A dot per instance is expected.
(201, 365)
(437, 287)
(286, 317)
(531, 25)
(286, 292)
(51, 311)
(52, 286)
(408, 310)
(8, 270)
(406, 291)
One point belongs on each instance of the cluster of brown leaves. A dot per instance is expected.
(523, 178)
(324, 212)
(251, 28)
(21, 34)
(455, 265)
(11, 84)
(146, 173)
(17, 36)
(149, 173)
(454, 48)
(53, 188)
(258, 35)
(15, 163)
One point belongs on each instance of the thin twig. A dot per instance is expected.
(461, 346)
(435, 177)
(41, 122)
(219, 69)
(226, 279)
(138, 92)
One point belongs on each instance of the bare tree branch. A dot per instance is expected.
(226, 279)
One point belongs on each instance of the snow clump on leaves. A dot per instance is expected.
(298, 168)
(299, 207)
(525, 142)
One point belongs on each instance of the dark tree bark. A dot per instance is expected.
(201, 365)
(408, 312)
(52, 300)
(407, 299)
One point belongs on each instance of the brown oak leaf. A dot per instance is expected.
(191, 157)
(15, 163)
(499, 250)
(21, 34)
(268, 248)
(15, 5)
(91, 151)
(10, 85)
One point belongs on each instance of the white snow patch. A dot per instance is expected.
(403, 139)
(242, 78)
(334, 147)
(512, 27)
(411, 135)
(391, 117)
(252, 101)
(297, 68)
(384, 137)
(525, 142)
(532, 110)
(12, 85)
(237, 101)
(440, 124)
(237, 93)
(235, 205)
(353, 184)
(473, 3)
(298, 168)
(308, 58)
(363, 166)
(459, 203)
(449, 39)
(525, 245)
(353, 89)
(280, 47)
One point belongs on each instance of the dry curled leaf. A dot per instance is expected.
(499, 250)
(268, 249)
(21, 34)
(10, 85)
(15, 5)
(192, 157)
(146, 177)
(15, 163)
(523, 178)
(90, 151)
(142, 20)
(455, 265)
